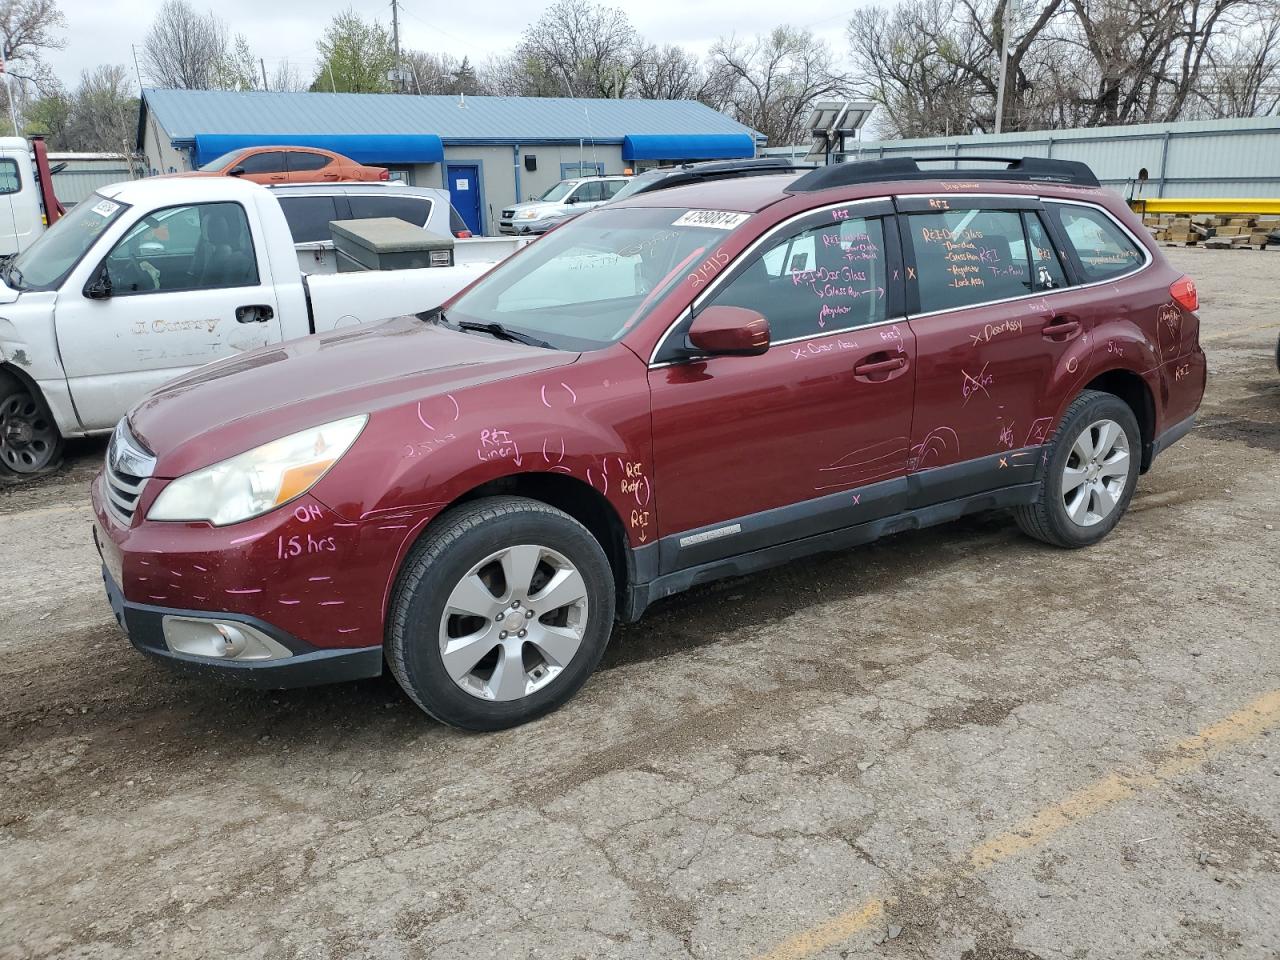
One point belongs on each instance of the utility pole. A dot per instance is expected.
(136, 71)
(262, 63)
(1005, 29)
(395, 39)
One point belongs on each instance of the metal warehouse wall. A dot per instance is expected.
(1215, 158)
(85, 173)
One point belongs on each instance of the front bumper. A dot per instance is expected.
(527, 227)
(307, 667)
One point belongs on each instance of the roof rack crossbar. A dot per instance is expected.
(1026, 169)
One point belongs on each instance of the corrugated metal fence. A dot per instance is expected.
(1216, 158)
(84, 173)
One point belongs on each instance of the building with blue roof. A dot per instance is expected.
(489, 151)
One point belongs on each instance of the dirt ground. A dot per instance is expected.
(956, 743)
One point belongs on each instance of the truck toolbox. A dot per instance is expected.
(386, 243)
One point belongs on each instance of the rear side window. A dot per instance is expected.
(307, 161)
(1102, 248)
(819, 280)
(1046, 268)
(414, 210)
(611, 187)
(965, 257)
(309, 217)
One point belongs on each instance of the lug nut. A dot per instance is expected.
(522, 633)
(498, 617)
(515, 604)
(502, 635)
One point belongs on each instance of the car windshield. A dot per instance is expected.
(219, 162)
(583, 285)
(46, 263)
(558, 191)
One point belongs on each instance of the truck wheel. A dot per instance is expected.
(500, 613)
(30, 443)
(1091, 473)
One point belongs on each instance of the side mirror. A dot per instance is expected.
(729, 331)
(236, 172)
(570, 199)
(99, 285)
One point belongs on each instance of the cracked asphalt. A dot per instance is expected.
(955, 743)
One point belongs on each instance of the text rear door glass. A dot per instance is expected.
(964, 257)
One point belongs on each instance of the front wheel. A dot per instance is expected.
(30, 444)
(500, 614)
(1090, 476)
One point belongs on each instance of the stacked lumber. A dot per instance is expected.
(1219, 232)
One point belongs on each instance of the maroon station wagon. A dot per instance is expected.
(694, 383)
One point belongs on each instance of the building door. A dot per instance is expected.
(464, 192)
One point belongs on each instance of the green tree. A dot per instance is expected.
(50, 116)
(355, 56)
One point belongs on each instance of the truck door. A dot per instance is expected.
(183, 286)
(20, 218)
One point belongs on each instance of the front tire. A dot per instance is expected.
(30, 443)
(500, 613)
(1090, 476)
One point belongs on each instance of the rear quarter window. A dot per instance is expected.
(1102, 249)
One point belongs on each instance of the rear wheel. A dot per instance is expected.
(30, 444)
(500, 613)
(1090, 476)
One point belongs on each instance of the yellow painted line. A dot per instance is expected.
(1268, 206)
(1273, 327)
(1252, 721)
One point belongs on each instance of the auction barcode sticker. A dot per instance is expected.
(718, 219)
(105, 208)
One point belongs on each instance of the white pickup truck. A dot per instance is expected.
(147, 279)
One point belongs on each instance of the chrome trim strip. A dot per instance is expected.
(705, 535)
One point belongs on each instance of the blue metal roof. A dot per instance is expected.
(184, 114)
(362, 148)
(695, 146)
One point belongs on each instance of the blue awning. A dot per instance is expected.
(691, 146)
(375, 148)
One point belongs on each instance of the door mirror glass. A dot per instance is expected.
(729, 331)
(99, 285)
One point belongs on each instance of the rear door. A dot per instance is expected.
(307, 167)
(189, 284)
(996, 322)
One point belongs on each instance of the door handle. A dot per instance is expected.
(1061, 328)
(254, 313)
(872, 367)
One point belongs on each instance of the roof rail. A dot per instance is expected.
(686, 173)
(1036, 169)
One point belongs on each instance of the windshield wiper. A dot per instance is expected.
(499, 331)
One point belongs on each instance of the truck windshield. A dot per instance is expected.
(585, 284)
(46, 263)
(217, 163)
(558, 190)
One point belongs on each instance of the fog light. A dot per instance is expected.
(221, 640)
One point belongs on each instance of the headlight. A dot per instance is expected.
(260, 479)
(533, 214)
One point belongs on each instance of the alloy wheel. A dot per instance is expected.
(514, 622)
(1096, 473)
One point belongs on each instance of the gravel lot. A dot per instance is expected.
(953, 743)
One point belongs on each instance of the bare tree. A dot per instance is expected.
(104, 111)
(667, 73)
(774, 80)
(27, 29)
(185, 50)
(578, 49)
(288, 78)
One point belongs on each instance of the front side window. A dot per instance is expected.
(10, 182)
(46, 263)
(589, 193)
(272, 162)
(964, 257)
(823, 278)
(413, 210)
(585, 284)
(1102, 248)
(309, 217)
(300, 161)
(197, 247)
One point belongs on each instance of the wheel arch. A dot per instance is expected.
(1135, 392)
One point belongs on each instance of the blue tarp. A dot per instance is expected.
(375, 148)
(692, 146)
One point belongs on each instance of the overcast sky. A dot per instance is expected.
(102, 32)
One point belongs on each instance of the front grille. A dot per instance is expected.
(508, 214)
(127, 469)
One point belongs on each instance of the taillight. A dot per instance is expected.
(462, 234)
(1184, 292)
(384, 174)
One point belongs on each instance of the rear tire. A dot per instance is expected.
(30, 443)
(1092, 470)
(500, 613)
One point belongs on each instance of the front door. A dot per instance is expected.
(464, 193)
(994, 319)
(186, 287)
(813, 435)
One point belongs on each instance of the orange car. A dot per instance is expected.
(287, 165)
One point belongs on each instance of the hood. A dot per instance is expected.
(233, 405)
(549, 207)
(7, 293)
